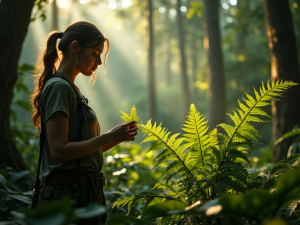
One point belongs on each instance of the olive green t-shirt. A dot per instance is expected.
(58, 95)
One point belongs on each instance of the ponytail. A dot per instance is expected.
(45, 67)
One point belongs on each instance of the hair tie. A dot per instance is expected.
(60, 34)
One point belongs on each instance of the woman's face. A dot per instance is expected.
(90, 59)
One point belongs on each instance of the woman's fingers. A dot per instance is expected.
(132, 130)
(129, 123)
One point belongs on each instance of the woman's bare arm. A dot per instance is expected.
(109, 146)
(61, 150)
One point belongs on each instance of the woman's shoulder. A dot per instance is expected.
(58, 86)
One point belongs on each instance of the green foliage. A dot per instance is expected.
(198, 166)
(296, 144)
(259, 205)
(58, 212)
(13, 195)
(40, 6)
(15, 203)
(196, 8)
(22, 132)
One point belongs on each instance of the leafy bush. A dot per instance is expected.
(203, 166)
(12, 192)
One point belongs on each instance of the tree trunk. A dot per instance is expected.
(54, 15)
(284, 59)
(14, 20)
(184, 78)
(194, 68)
(216, 80)
(151, 75)
(168, 49)
(240, 34)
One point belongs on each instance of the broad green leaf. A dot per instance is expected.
(123, 219)
(90, 211)
(2, 179)
(21, 198)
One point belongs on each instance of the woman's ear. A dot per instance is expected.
(75, 47)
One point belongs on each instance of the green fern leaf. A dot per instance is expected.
(233, 173)
(142, 195)
(147, 202)
(162, 185)
(233, 154)
(156, 145)
(216, 154)
(132, 117)
(291, 159)
(278, 167)
(228, 164)
(292, 207)
(173, 166)
(170, 177)
(247, 112)
(227, 184)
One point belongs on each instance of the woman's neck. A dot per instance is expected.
(68, 69)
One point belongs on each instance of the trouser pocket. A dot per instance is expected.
(46, 194)
(74, 196)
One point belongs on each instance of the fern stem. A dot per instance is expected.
(200, 149)
(199, 140)
(177, 157)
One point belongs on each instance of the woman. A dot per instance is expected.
(55, 105)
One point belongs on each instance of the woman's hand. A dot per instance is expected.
(123, 132)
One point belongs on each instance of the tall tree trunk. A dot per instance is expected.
(14, 20)
(284, 59)
(240, 35)
(168, 49)
(151, 75)
(54, 15)
(194, 68)
(216, 92)
(184, 78)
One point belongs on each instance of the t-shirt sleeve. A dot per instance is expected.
(58, 97)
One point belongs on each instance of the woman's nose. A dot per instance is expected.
(99, 61)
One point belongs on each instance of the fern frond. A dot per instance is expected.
(278, 167)
(145, 194)
(156, 145)
(216, 154)
(228, 183)
(229, 164)
(132, 117)
(292, 207)
(246, 113)
(233, 153)
(291, 159)
(233, 173)
(147, 202)
(196, 128)
(162, 185)
(170, 177)
(173, 166)
(171, 145)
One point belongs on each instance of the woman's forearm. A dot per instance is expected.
(75, 150)
(109, 146)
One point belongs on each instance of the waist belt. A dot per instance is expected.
(65, 177)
